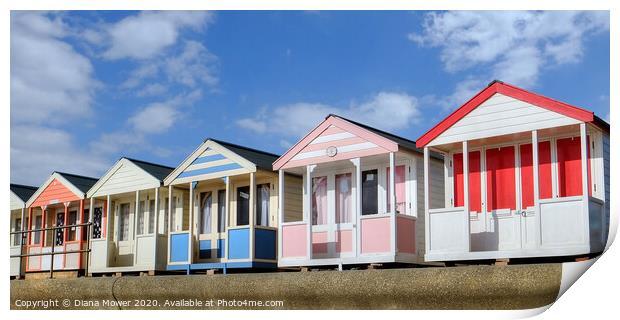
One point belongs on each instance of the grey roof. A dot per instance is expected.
(156, 170)
(81, 182)
(22, 191)
(261, 159)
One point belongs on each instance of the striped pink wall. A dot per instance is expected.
(348, 139)
(347, 144)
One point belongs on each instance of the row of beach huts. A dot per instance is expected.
(471, 188)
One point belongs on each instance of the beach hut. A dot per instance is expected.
(129, 221)
(360, 201)
(507, 199)
(59, 202)
(19, 196)
(228, 214)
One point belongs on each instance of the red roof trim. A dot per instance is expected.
(511, 91)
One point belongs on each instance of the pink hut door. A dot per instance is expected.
(475, 199)
(319, 200)
(401, 198)
(500, 163)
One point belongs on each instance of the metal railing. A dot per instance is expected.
(24, 239)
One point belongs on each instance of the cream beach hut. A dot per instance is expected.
(129, 218)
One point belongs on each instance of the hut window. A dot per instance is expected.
(123, 230)
(243, 206)
(319, 200)
(343, 198)
(369, 192)
(177, 225)
(38, 221)
(399, 180)
(221, 210)
(527, 173)
(500, 163)
(86, 213)
(97, 221)
(569, 167)
(60, 221)
(141, 211)
(475, 196)
(205, 212)
(152, 214)
(72, 220)
(262, 204)
(17, 227)
(167, 202)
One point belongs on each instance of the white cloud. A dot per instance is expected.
(190, 65)
(155, 118)
(255, 125)
(515, 46)
(153, 89)
(145, 35)
(50, 81)
(51, 85)
(140, 73)
(193, 66)
(37, 151)
(385, 110)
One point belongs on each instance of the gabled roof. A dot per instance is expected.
(81, 182)
(403, 142)
(216, 158)
(514, 92)
(261, 159)
(388, 141)
(77, 184)
(156, 170)
(145, 175)
(22, 191)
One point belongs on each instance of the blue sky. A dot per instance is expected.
(89, 87)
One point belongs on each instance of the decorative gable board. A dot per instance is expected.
(335, 139)
(210, 161)
(54, 192)
(500, 115)
(123, 177)
(16, 202)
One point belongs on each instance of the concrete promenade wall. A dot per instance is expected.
(470, 287)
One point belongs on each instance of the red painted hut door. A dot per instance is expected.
(500, 164)
(475, 203)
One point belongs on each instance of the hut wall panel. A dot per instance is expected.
(500, 115)
(55, 192)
